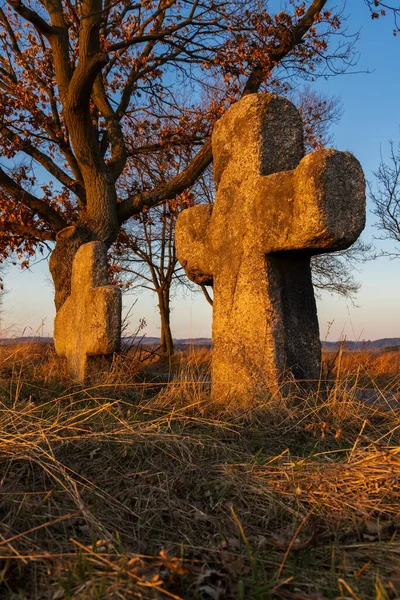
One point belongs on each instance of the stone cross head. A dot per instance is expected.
(274, 209)
(88, 324)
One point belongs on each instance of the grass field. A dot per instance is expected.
(144, 489)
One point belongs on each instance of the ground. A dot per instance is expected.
(140, 488)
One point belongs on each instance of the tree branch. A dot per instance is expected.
(114, 130)
(47, 212)
(203, 158)
(77, 99)
(45, 161)
(30, 15)
(167, 191)
(83, 79)
(133, 75)
(275, 56)
(195, 140)
(60, 45)
(207, 295)
(20, 229)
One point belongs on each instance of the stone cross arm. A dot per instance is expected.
(191, 233)
(317, 207)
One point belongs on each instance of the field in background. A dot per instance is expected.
(140, 488)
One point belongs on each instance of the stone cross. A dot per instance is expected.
(274, 209)
(87, 327)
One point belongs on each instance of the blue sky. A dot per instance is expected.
(371, 118)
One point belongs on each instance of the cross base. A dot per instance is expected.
(267, 333)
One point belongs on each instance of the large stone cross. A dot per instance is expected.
(273, 210)
(87, 327)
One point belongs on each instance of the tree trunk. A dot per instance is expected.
(61, 260)
(166, 342)
(98, 222)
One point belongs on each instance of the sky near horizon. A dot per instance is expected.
(371, 117)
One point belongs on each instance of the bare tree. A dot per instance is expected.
(146, 258)
(334, 272)
(386, 199)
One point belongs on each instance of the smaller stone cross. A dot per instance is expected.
(87, 327)
(274, 209)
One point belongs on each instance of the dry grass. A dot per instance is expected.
(371, 368)
(144, 489)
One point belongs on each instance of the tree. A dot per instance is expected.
(334, 272)
(386, 199)
(144, 254)
(76, 77)
(146, 258)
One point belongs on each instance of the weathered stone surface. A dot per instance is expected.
(87, 327)
(273, 210)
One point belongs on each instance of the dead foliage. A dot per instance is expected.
(143, 488)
